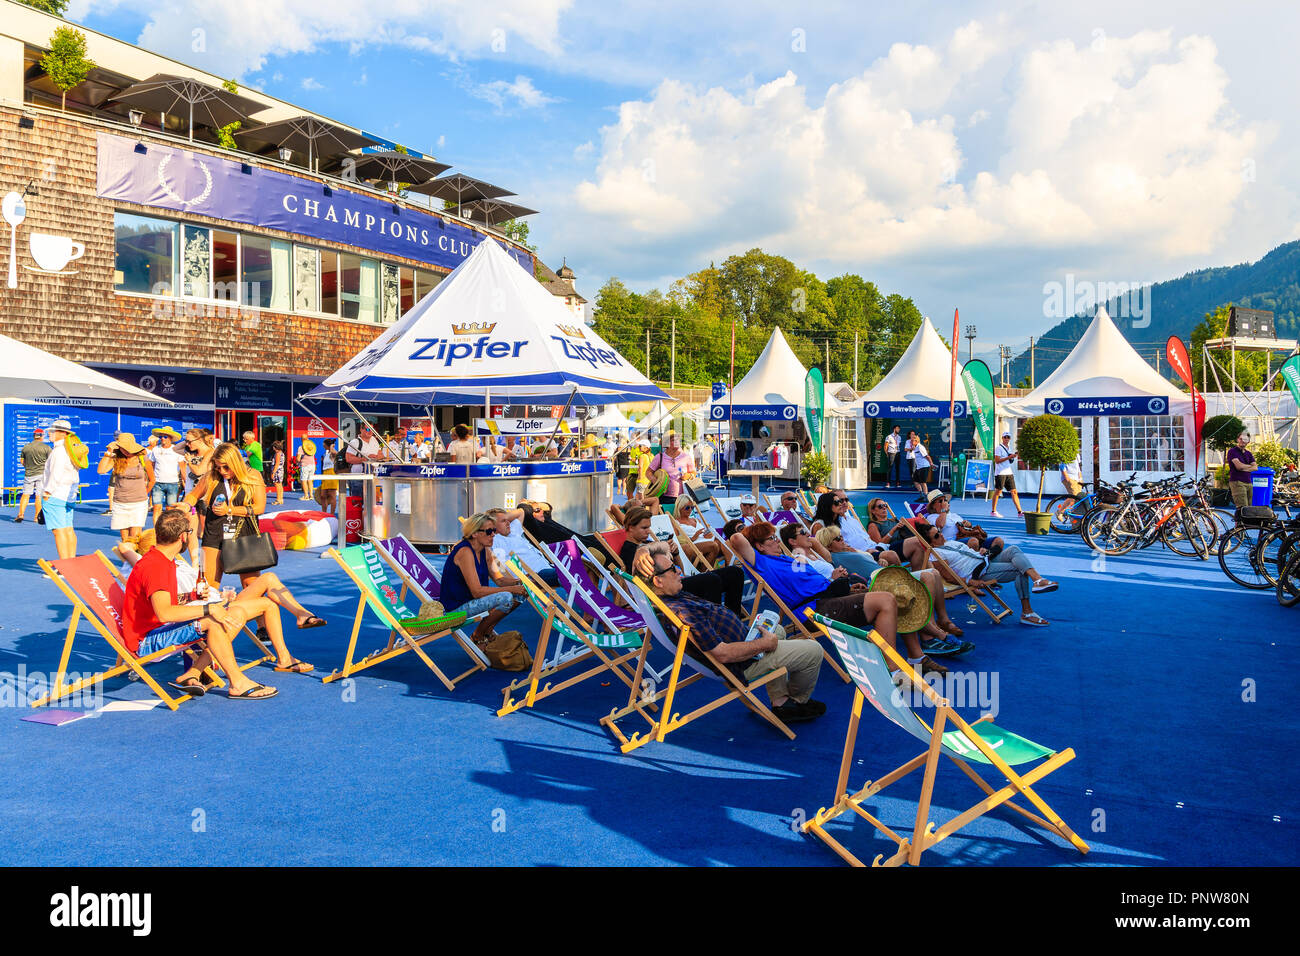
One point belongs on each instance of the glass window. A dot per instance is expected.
(198, 262)
(368, 291)
(424, 283)
(281, 275)
(406, 290)
(847, 445)
(306, 280)
(225, 265)
(145, 252)
(1147, 443)
(329, 282)
(389, 293)
(256, 271)
(349, 285)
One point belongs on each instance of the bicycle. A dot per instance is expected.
(1255, 552)
(1288, 582)
(1162, 514)
(1069, 512)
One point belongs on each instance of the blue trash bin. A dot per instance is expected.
(1261, 487)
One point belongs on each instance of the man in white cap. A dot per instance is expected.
(749, 510)
(1004, 475)
(59, 489)
(34, 455)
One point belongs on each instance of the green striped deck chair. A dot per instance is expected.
(612, 651)
(867, 658)
(406, 630)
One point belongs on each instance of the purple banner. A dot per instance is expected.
(189, 182)
(414, 564)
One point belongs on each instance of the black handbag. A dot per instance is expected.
(249, 553)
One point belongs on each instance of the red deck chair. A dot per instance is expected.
(96, 591)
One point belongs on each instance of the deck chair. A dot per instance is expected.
(722, 511)
(689, 549)
(560, 618)
(869, 658)
(664, 528)
(368, 570)
(96, 590)
(612, 542)
(950, 589)
(424, 580)
(649, 606)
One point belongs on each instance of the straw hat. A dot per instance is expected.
(127, 443)
(167, 430)
(913, 598)
(309, 446)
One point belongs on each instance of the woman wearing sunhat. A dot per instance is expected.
(307, 468)
(133, 482)
(59, 488)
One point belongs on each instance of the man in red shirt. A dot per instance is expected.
(153, 618)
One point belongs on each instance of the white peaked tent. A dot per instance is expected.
(1105, 372)
(27, 372)
(922, 376)
(611, 417)
(489, 331)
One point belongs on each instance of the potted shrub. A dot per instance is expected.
(1043, 442)
(816, 468)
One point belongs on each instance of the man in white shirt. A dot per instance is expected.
(892, 476)
(940, 514)
(59, 490)
(1072, 477)
(167, 463)
(1004, 475)
(362, 449)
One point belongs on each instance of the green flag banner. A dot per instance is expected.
(814, 406)
(1290, 372)
(977, 378)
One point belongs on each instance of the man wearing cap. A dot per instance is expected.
(59, 489)
(749, 510)
(938, 511)
(34, 454)
(166, 469)
(1004, 475)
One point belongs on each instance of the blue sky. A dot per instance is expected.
(962, 154)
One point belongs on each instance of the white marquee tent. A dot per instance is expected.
(922, 378)
(1138, 420)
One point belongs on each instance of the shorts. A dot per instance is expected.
(1005, 482)
(307, 472)
(130, 515)
(921, 475)
(58, 513)
(169, 635)
(500, 601)
(166, 493)
(33, 485)
(846, 609)
(1073, 488)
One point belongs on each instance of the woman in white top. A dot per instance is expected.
(920, 457)
(59, 490)
(695, 530)
(464, 450)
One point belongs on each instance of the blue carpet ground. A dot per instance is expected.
(1142, 671)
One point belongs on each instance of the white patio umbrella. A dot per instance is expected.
(27, 372)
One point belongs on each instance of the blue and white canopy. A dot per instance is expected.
(489, 331)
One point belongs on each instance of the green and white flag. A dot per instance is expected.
(977, 378)
(814, 406)
(1290, 372)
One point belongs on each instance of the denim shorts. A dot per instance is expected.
(166, 493)
(500, 601)
(58, 513)
(169, 635)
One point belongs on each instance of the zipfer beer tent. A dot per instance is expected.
(772, 392)
(489, 333)
(915, 394)
(1134, 418)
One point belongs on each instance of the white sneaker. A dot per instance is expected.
(994, 513)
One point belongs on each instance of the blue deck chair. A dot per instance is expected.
(559, 618)
(868, 658)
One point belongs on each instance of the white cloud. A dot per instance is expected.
(503, 95)
(239, 35)
(1132, 146)
(309, 83)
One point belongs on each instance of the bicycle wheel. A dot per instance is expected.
(1288, 582)
(1113, 533)
(1190, 534)
(1275, 548)
(1239, 558)
(1222, 525)
(1065, 518)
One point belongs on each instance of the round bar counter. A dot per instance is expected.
(425, 502)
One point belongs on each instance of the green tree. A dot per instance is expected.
(55, 7)
(1250, 365)
(517, 230)
(66, 64)
(1220, 431)
(1045, 441)
(226, 134)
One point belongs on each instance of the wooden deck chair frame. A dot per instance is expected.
(422, 595)
(763, 588)
(560, 616)
(126, 661)
(950, 589)
(647, 604)
(399, 639)
(966, 737)
(697, 558)
(609, 548)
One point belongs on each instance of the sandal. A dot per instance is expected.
(1033, 620)
(251, 693)
(312, 621)
(192, 686)
(1044, 586)
(294, 666)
